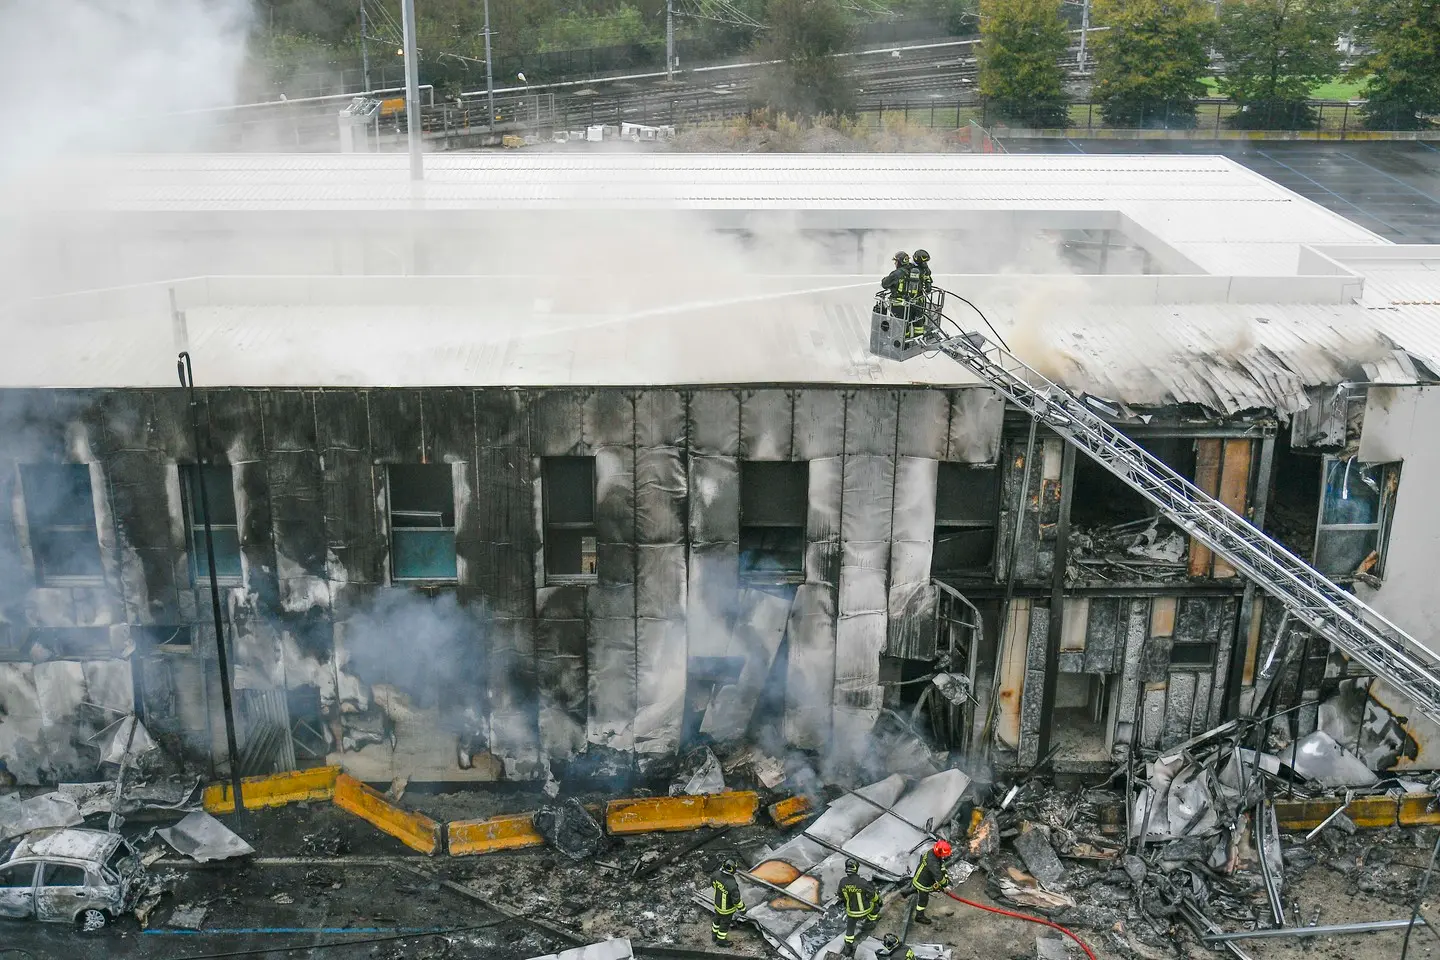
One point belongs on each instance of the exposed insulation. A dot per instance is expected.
(1031, 702)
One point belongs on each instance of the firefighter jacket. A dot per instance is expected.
(859, 895)
(727, 894)
(930, 875)
(927, 279)
(895, 283)
(915, 286)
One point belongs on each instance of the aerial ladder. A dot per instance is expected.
(1357, 630)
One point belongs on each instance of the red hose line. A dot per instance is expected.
(1025, 916)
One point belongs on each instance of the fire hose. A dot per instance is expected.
(1025, 916)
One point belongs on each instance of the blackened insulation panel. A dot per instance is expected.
(767, 424)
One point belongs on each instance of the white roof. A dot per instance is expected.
(67, 844)
(1225, 218)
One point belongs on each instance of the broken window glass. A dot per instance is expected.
(60, 507)
(224, 522)
(967, 504)
(1192, 654)
(569, 498)
(1356, 501)
(422, 522)
(774, 500)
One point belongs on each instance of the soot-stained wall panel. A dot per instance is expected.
(924, 429)
(448, 418)
(1135, 628)
(871, 422)
(660, 648)
(714, 427)
(714, 584)
(760, 620)
(819, 424)
(561, 654)
(297, 516)
(767, 424)
(660, 495)
(977, 415)
(558, 423)
(912, 531)
(810, 672)
(660, 419)
(397, 426)
(612, 658)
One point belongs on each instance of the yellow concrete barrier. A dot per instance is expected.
(469, 837)
(648, 814)
(273, 791)
(790, 811)
(415, 830)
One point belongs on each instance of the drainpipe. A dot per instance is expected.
(187, 380)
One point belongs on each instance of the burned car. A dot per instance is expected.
(83, 877)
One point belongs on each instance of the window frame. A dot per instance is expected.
(995, 480)
(391, 513)
(548, 487)
(785, 575)
(1384, 511)
(195, 528)
(37, 531)
(1195, 666)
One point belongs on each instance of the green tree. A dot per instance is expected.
(805, 36)
(1275, 52)
(1402, 70)
(1022, 44)
(1150, 63)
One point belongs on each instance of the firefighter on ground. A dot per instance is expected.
(929, 877)
(897, 949)
(862, 905)
(728, 902)
(894, 284)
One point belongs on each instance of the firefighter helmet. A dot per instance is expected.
(891, 941)
(942, 849)
(852, 866)
(922, 256)
(728, 866)
(901, 257)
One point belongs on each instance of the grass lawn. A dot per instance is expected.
(1336, 89)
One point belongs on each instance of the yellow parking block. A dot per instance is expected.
(273, 791)
(415, 830)
(648, 814)
(468, 837)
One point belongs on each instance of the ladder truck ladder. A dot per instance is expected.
(1358, 630)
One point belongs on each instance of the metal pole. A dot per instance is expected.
(187, 380)
(1084, 32)
(669, 40)
(489, 72)
(1339, 928)
(364, 48)
(412, 90)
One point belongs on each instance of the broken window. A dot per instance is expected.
(64, 875)
(224, 521)
(76, 643)
(60, 507)
(569, 496)
(163, 637)
(774, 499)
(422, 522)
(1192, 654)
(19, 877)
(1356, 500)
(967, 505)
(1102, 501)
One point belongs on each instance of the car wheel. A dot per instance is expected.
(92, 920)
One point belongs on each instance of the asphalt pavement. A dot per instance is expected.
(1389, 187)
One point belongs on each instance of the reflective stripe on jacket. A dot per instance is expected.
(858, 894)
(727, 894)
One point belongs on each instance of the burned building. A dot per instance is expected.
(551, 465)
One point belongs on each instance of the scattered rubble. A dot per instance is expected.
(203, 838)
(570, 829)
(699, 774)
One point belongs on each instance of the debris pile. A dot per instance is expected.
(1150, 549)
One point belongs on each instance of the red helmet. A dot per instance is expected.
(942, 849)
